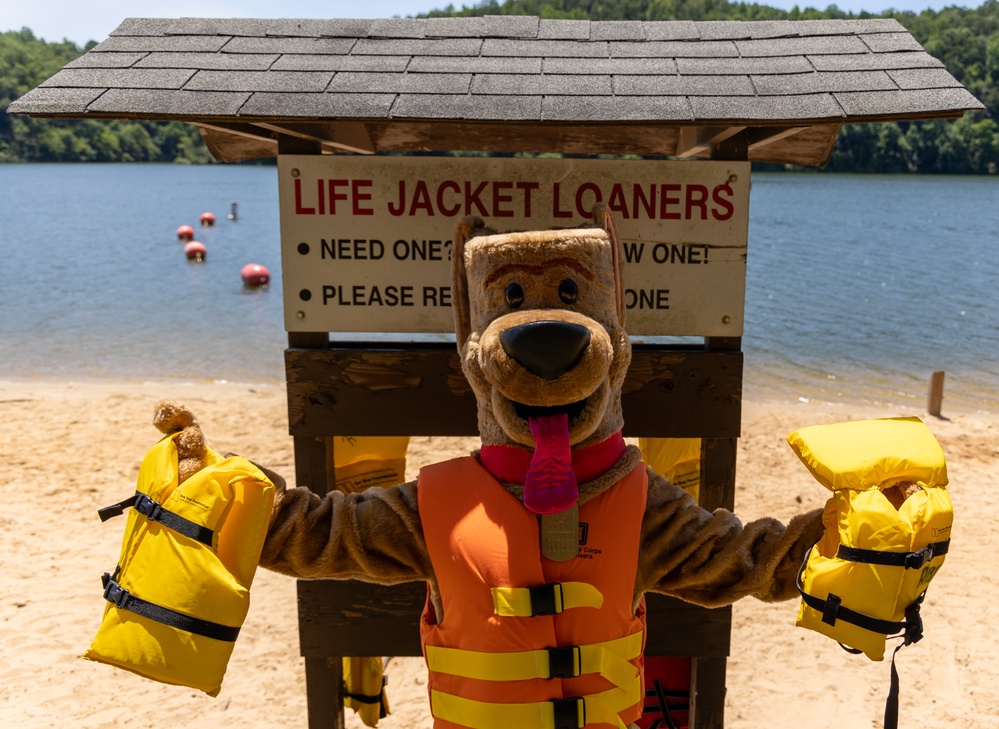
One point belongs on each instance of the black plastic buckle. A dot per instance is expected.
(543, 599)
(564, 661)
(916, 560)
(569, 713)
(115, 509)
(831, 609)
(913, 623)
(147, 507)
(115, 593)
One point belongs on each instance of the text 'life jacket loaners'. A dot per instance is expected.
(526, 641)
(180, 591)
(865, 578)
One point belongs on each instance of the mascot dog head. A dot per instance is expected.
(540, 326)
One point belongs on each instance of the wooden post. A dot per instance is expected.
(936, 394)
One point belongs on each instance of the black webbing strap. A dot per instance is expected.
(832, 610)
(369, 699)
(908, 560)
(155, 512)
(891, 703)
(124, 600)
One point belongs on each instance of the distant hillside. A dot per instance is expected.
(966, 40)
(26, 61)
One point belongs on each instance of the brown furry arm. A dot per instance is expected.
(712, 559)
(374, 536)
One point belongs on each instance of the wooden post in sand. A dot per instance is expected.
(936, 394)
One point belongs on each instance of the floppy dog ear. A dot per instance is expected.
(459, 279)
(602, 217)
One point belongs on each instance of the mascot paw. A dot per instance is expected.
(174, 418)
(899, 491)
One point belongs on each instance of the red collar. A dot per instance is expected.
(510, 463)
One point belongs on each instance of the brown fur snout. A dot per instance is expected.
(547, 361)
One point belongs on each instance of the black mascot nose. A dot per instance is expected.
(547, 349)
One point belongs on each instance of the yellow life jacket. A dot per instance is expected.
(180, 591)
(866, 577)
(677, 459)
(360, 463)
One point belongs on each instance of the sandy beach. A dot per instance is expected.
(67, 449)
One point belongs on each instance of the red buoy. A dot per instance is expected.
(255, 275)
(195, 251)
(207, 220)
(185, 232)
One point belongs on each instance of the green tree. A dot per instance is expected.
(25, 62)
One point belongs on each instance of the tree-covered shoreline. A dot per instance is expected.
(966, 40)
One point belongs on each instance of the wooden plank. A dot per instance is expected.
(567, 138)
(324, 692)
(352, 391)
(350, 618)
(697, 141)
(707, 693)
(935, 402)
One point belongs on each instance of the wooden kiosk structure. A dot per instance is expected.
(726, 91)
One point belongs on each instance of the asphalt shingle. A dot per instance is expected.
(123, 78)
(815, 106)
(421, 106)
(208, 61)
(289, 45)
(380, 64)
(155, 101)
(923, 78)
(318, 105)
(387, 83)
(284, 81)
(615, 108)
(814, 83)
(522, 84)
(478, 64)
(729, 66)
(683, 86)
(872, 61)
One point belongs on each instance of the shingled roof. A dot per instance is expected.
(507, 83)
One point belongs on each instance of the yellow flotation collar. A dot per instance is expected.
(180, 591)
(865, 578)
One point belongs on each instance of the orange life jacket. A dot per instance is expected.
(525, 641)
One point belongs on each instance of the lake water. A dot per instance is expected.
(858, 287)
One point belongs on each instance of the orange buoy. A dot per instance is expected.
(185, 232)
(195, 251)
(207, 220)
(255, 275)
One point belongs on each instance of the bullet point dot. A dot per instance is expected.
(305, 294)
(303, 248)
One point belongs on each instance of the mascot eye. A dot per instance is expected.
(567, 291)
(514, 295)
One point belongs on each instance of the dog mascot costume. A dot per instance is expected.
(520, 629)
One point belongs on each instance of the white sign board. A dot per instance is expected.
(366, 241)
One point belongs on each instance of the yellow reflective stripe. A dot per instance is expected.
(610, 663)
(608, 658)
(516, 601)
(602, 708)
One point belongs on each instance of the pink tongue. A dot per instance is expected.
(550, 485)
